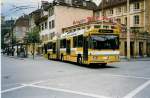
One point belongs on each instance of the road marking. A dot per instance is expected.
(12, 89)
(136, 77)
(137, 90)
(125, 76)
(42, 81)
(67, 91)
(38, 82)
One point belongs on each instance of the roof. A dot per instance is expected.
(85, 24)
(42, 19)
(22, 21)
(44, 5)
(83, 4)
(111, 3)
(36, 11)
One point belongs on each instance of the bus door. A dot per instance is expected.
(45, 48)
(68, 48)
(85, 48)
(54, 48)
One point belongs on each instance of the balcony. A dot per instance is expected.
(136, 11)
(135, 32)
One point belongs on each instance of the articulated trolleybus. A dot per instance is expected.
(89, 43)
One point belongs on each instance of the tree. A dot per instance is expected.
(3, 33)
(33, 38)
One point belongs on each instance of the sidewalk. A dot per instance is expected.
(40, 57)
(36, 57)
(136, 59)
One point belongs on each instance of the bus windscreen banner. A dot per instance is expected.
(105, 31)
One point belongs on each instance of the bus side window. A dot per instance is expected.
(80, 40)
(75, 41)
(68, 50)
(90, 43)
(63, 43)
(54, 47)
(60, 43)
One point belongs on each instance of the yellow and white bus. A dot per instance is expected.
(96, 44)
(89, 43)
(51, 52)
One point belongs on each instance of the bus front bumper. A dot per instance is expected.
(103, 59)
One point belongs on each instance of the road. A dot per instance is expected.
(41, 78)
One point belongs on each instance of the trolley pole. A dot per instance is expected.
(102, 13)
(12, 40)
(128, 30)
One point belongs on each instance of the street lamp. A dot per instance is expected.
(12, 39)
(26, 45)
(102, 1)
(128, 30)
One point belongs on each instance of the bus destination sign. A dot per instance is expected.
(105, 31)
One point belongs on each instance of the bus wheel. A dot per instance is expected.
(79, 60)
(62, 57)
(103, 64)
(48, 56)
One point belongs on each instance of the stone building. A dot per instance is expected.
(60, 14)
(21, 27)
(20, 30)
(63, 13)
(6, 32)
(147, 17)
(34, 25)
(139, 28)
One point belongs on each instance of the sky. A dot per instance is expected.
(9, 7)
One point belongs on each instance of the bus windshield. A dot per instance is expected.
(105, 42)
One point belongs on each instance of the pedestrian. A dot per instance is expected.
(13, 50)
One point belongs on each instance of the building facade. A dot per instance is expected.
(52, 17)
(21, 28)
(117, 11)
(34, 26)
(147, 17)
(61, 14)
(147, 14)
(6, 33)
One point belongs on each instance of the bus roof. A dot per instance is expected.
(87, 24)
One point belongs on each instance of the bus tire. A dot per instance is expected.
(103, 64)
(48, 56)
(79, 59)
(62, 57)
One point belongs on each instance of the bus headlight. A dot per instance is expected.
(105, 58)
(95, 57)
